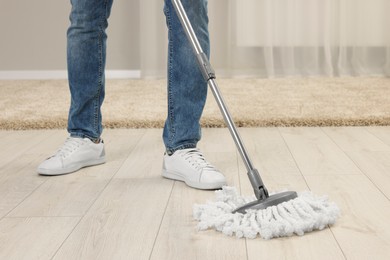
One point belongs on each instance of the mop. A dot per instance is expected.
(263, 214)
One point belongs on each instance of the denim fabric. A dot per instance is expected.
(86, 58)
(187, 88)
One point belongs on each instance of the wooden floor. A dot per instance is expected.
(124, 209)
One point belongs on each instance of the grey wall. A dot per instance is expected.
(33, 35)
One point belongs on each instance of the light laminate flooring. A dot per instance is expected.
(124, 209)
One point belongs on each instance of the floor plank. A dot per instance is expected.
(382, 132)
(272, 156)
(283, 175)
(4, 134)
(315, 153)
(276, 166)
(367, 151)
(17, 143)
(215, 140)
(376, 166)
(33, 238)
(128, 211)
(315, 245)
(355, 139)
(73, 194)
(122, 224)
(145, 160)
(178, 237)
(18, 177)
(363, 231)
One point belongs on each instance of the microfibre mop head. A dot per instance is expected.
(305, 213)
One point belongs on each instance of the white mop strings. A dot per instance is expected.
(304, 214)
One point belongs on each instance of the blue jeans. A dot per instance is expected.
(86, 57)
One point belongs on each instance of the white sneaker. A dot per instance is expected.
(190, 166)
(72, 156)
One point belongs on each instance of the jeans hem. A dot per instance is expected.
(81, 135)
(171, 151)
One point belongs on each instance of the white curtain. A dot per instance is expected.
(279, 38)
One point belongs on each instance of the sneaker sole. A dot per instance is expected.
(51, 172)
(196, 185)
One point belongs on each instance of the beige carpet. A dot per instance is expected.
(253, 102)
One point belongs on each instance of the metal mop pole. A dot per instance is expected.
(209, 75)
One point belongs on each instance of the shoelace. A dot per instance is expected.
(70, 145)
(195, 157)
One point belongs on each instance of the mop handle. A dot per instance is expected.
(209, 75)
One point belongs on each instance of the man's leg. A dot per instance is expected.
(187, 91)
(86, 57)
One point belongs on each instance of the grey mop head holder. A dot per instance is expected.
(258, 186)
(263, 199)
